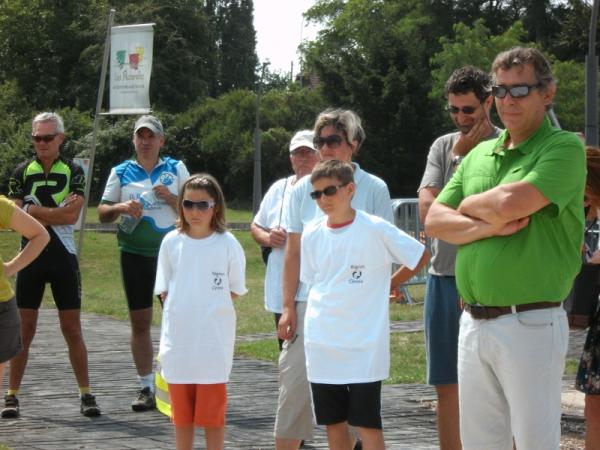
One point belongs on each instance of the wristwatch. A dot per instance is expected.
(456, 160)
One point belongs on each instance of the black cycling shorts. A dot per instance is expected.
(56, 266)
(358, 404)
(139, 273)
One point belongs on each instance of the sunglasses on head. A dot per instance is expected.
(46, 137)
(329, 191)
(465, 109)
(332, 141)
(202, 205)
(516, 91)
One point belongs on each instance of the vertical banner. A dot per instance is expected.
(130, 68)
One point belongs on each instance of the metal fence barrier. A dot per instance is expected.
(406, 217)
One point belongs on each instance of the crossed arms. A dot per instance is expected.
(500, 211)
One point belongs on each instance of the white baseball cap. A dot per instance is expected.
(303, 138)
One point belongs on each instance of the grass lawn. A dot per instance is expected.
(232, 215)
(407, 351)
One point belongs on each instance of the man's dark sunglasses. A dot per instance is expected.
(332, 141)
(465, 109)
(46, 137)
(516, 91)
(329, 191)
(202, 205)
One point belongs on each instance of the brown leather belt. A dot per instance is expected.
(491, 312)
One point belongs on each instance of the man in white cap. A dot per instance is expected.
(143, 192)
(267, 228)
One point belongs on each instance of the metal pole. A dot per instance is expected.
(88, 185)
(257, 185)
(591, 82)
(553, 118)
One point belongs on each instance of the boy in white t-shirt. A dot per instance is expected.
(347, 259)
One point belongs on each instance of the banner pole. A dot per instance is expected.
(88, 185)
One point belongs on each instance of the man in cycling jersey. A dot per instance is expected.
(51, 189)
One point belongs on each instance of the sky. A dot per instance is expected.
(279, 31)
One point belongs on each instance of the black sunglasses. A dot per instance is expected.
(465, 109)
(516, 91)
(329, 191)
(46, 137)
(332, 141)
(202, 205)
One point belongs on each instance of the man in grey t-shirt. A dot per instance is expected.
(469, 101)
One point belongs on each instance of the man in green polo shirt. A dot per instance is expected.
(515, 208)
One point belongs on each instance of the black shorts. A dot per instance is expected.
(10, 331)
(358, 404)
(139, 273)
(56, 266)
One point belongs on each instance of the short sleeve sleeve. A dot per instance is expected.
(560, 171)
(383, 203)
(112, 190)
(434, 171)
(267, 205)
(77, 185)
(182, 175)
(402, 248)
(237, 267)
(7, 208)
(307, 263)
(164, 271)
(293, 210)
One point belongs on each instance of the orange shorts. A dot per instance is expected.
(202, 405)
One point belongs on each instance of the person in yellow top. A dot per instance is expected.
(37, 238)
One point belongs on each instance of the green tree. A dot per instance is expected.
(216, 136)
(569, 101)
(471, 45)
(41, 48)
(372, 56)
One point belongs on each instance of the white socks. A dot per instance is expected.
(147, 381)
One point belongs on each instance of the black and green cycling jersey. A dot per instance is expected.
(30, 184)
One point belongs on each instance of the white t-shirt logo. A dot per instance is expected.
(217, 281)
(357, 273)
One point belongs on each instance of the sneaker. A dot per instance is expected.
(11, 407)
(89, 407)
(145, 401)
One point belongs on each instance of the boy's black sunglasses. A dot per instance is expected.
(329, 191)
(202, 205)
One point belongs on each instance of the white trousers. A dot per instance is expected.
(509, 377)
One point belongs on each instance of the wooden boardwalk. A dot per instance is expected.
(50, 417)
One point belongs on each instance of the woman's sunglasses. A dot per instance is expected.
(329, 191)
(332, 141)
(202, 205)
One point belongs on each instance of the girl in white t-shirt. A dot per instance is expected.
(201, 269)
